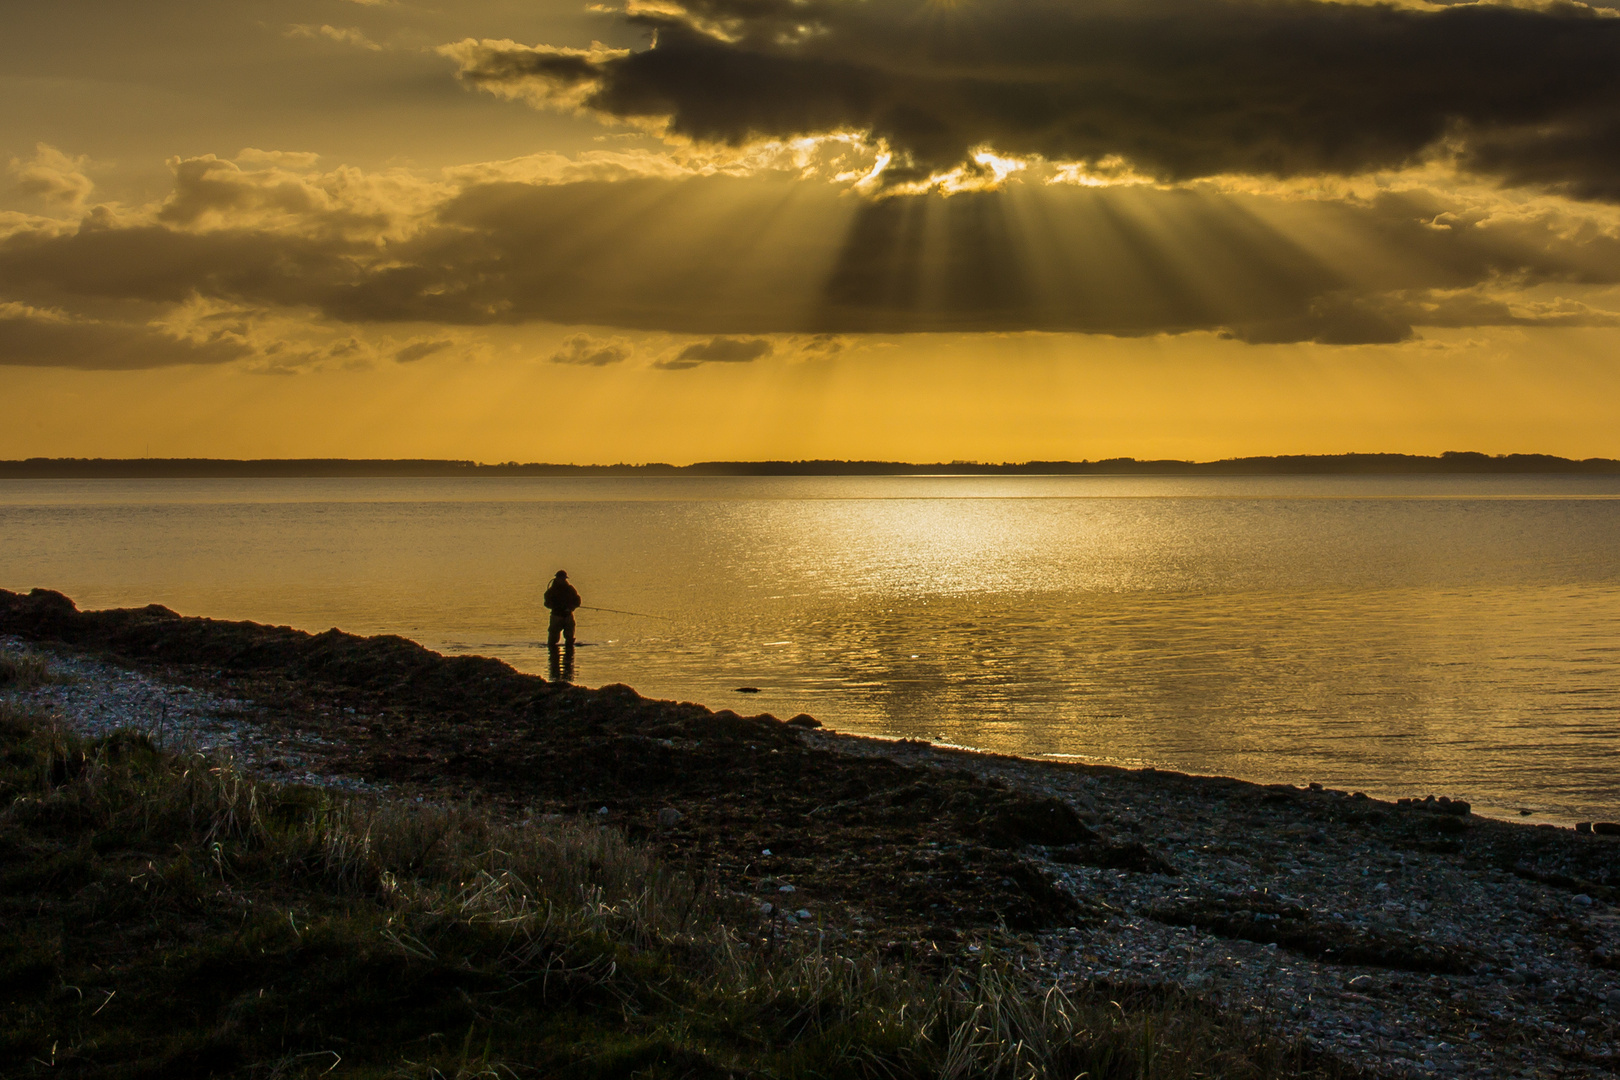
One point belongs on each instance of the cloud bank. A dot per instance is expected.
(1178, 88)
(1269, 170)
(34, 337)
(731, 259)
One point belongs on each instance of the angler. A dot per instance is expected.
(562, 598)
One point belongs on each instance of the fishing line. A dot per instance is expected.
(616, 611)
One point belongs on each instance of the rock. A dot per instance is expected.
(1448, 824)
(1583, 826)
(604, 812)
(1133, 856)
(766, 908)
(785, 889)
(804, 720)
(747, 689)
(1440, 805)
(802, 913)
(1606, 828)
(669, 816)
(1582, 899)
(1024, 820)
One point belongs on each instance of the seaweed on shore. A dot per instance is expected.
(1269, 920)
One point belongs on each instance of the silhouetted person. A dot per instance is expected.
(562, 598)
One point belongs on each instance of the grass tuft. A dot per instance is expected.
(165, 914)
(24, 671)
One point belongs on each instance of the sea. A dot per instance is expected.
(1402, 636)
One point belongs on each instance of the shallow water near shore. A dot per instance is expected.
(1395, 635)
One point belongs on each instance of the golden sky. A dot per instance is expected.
(672, 231)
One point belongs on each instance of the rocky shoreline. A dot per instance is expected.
(1409, 939)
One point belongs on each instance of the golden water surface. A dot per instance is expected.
(1400, 636)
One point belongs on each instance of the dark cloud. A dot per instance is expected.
(688, 257)
(588, 351)
(1578, 156)
(166, 265)
(719, 350)
(421, 350)
(1335, 319)
(1182, 88)
(1346, 319)
(727, 258)
(823, 344)
(30, 337)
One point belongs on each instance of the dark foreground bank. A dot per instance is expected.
(1414, 940)
(162, 915)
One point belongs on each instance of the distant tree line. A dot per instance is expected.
(1452, 462)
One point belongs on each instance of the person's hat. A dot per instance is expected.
(562, 573)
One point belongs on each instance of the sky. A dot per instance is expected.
(919, 230)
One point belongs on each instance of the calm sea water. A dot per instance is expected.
(1394, 635)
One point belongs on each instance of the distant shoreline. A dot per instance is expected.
(1455, 463)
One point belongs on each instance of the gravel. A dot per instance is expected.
(93, 697)
(1538, 993)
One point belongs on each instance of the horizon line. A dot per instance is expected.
(1448, 462)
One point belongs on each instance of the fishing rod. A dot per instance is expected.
(616, 611)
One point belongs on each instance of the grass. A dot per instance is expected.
(164, 915)
(24, 671)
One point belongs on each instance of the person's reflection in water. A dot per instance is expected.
(562, 663)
